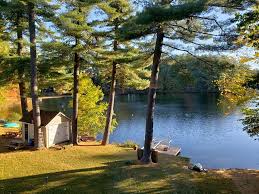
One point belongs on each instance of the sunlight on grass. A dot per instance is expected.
(98, 169)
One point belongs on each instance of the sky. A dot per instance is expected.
(215, 13)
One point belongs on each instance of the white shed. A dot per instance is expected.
(56, 127)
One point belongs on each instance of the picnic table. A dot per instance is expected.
(11, 134)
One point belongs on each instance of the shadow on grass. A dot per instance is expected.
(120, 177)
(4, 142)
(89, 145)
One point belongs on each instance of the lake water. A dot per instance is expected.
(194, 122)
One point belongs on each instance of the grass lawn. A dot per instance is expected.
(96, 169)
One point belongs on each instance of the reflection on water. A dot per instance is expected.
(193, 121)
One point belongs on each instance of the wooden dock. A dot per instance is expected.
(165, 149)
(171, 151)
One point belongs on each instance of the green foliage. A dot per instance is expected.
(129, 144)
(131, 61)
(186, 73)
(4, 48)
(233, 88)
(146, 22)
(14, 16)
(251, 120)
(55, 66)
(254, 82)
(57, 55)
(132, 68)
(163, 13)
(248, 27)
(91, 119)
(14, 116)
(2, 97)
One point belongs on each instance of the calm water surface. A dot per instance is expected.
(194, 122)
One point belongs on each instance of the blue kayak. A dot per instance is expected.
(11, 125)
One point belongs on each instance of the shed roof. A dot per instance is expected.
(46, 117)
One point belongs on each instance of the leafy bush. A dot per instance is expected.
(14, 116)
(129, 144)
(91, 118)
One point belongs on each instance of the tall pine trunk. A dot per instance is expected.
(109, 114)
(23, 98)
(38, 135)
(152, 96)
(110, 109)
(75, 97)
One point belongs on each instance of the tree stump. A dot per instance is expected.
(154, 156)
(140, 153)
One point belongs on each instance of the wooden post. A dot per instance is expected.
(154, 156)
(139, 153)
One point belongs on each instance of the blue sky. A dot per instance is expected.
(219, 16)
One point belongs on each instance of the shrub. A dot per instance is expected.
(92, 109)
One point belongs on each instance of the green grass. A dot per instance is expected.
(98, 169)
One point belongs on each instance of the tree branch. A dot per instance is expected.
(201, 45)
(184, 50)
(211, 19)
(229, 7)
(173, 58)
(195, 31)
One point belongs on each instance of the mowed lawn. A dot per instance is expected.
(92, 168)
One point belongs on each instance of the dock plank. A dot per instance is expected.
(171, 151)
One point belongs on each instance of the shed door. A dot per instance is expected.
(58, 133)
(26, 132)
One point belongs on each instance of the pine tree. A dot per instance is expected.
(122, 58)
(48, 13)
(172, 21)
(156, 15)
(38, 139)
(55, 66)
(73, 26)
(19, 16)
(15, 14)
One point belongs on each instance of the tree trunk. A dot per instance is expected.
(109, 115)
(151, 97)
(75, 98)
(110, 109)
(38, 135)
(23, 99)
